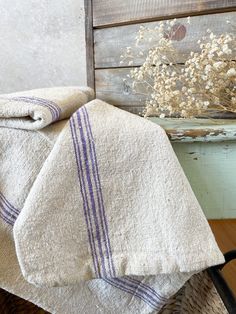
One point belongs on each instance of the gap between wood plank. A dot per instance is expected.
(89, 40)
(132, 66)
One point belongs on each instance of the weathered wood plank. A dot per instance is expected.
(109, 43)
(198, 130)
(111, 88)
(89, 42)
(113, 12)
(138, 110)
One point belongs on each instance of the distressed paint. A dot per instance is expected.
(211, 171)
(198, 130)
(206, 150)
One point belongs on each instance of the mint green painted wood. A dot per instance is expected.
(208, 160)
(211, 170)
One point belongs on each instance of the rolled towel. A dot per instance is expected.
(35, 109)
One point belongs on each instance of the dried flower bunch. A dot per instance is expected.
(205, 82)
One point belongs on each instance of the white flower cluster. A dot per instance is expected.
(205, 83)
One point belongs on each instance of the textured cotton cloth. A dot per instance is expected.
(35, 109)
(198, 295)
(102, 209)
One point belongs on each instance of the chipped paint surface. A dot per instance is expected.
(198, 130)
(211, 170)
(206, 150)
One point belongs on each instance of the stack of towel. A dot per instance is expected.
(97, 215)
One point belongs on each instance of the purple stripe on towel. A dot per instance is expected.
(129, 283)
(8, 212)
(98, 189)
(49, 103)
(91, 193)
(8, 221)
(30, 101)
(145, 286)
(37, 103)
(144, 291)
(41, 102)
(84, 196)
(118, 283)
(8, 204)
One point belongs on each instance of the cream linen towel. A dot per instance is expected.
(20, 164)
(111, 200)
(38, 108)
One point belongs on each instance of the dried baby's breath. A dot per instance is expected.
(205, 82)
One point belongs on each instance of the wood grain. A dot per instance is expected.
(225, 233)
(114, 87)
(110, 43)
(89, 42)
(111, 88)
(116, 12)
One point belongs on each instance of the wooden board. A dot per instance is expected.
(109, 76)
(110, 43)
(89, 42)
(111, 88)
(113, 12)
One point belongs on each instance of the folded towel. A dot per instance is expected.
(35, 109)
(112, 206)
